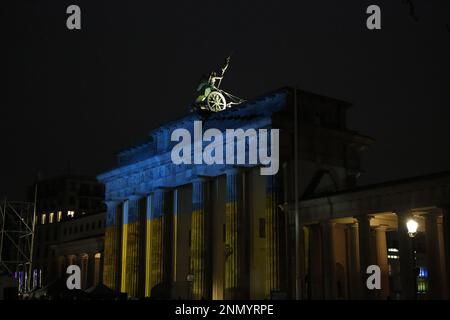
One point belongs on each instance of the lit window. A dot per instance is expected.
(70, 213)
(422, 281)
(423, 272)
(43, 218)
(50, 217)
(59, 216)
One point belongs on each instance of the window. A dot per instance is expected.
(43, 218)
(422, 281)
(87, 226)
(81, 228)
(76, 229)
(51, 216)
(70, 230)
(393, 253)
(71, 214)
(99, 224)
(59, 216)
(65, 231)
(262, 228)
(93, 225)
(98, 255)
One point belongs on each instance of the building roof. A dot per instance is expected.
(390, 183)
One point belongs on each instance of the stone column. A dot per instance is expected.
(315, 268)
(90, 270)
(329, 260)
(111, 262)
(233, 236)
(408, 275)
(132, 227)
(148, 244)
(275, 233)
(446, 245)
(83, 264)
(155, 236)
(353, 260)
(433, 257)
(168, 213)
(67, 262)
(61, 269)
(97, 268)
(200, 253)
(100, 267)
(382, 261)
(364, 254)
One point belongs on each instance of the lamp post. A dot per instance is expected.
(412, 225)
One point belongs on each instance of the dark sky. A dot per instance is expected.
(74, 98)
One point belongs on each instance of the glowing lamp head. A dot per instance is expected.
(412, 226)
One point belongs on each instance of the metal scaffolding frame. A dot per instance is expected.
(17, 229)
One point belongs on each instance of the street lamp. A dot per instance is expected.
(412, 226)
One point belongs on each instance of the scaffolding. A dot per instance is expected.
(17, 228)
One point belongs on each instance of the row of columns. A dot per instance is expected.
(359, 255)
(134, 244)
(364, 249)
(124, 240)
(124, 243)
(90, 267)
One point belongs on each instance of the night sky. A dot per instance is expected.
(75, 98)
